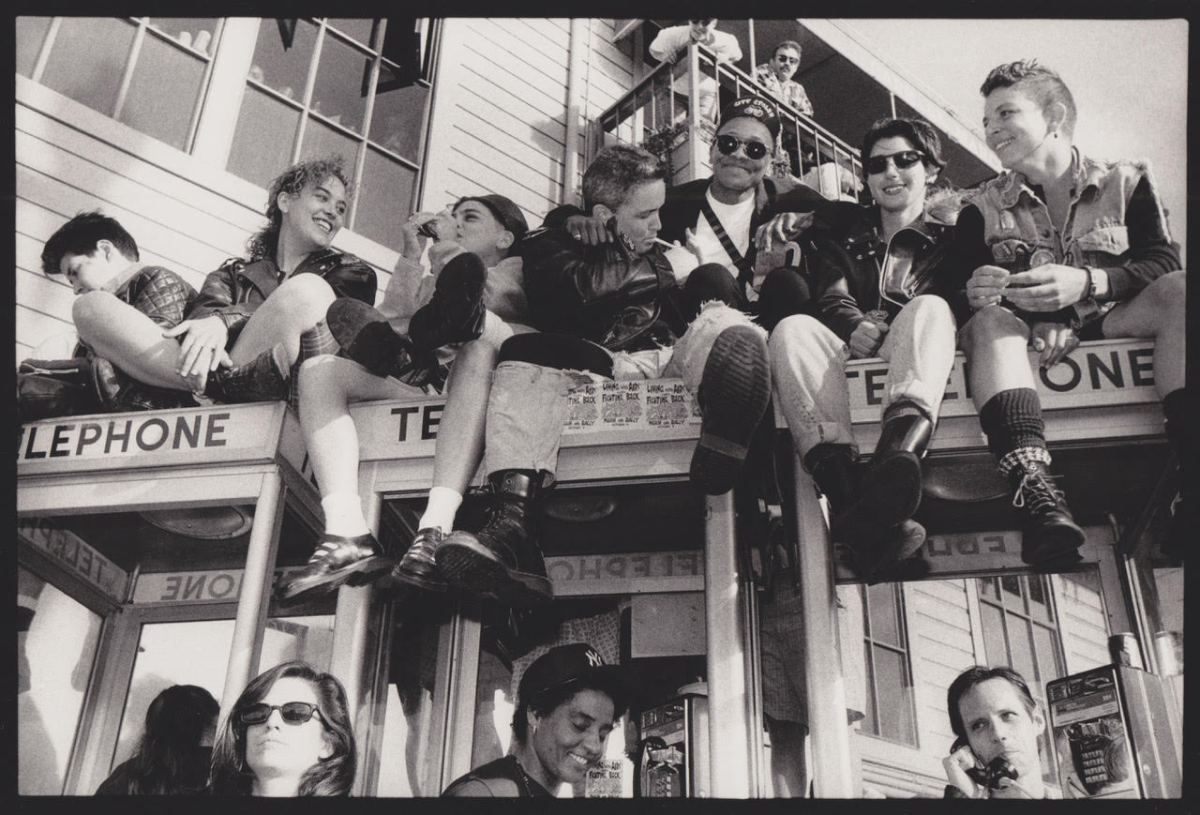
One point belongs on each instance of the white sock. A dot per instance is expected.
(440, 510)
(343, 514)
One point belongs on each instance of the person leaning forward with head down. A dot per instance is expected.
(568, 702)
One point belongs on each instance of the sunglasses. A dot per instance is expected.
(292, 713)
(787, 59)
(754, 150)
(903, 160)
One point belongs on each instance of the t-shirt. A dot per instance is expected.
(735, 218)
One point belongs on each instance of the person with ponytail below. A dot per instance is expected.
(174, 753)
(288, 735)
(1066, 248)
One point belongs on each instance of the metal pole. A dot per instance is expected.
(351, 621)
(255, 592)
(832, 777)
(728, 722)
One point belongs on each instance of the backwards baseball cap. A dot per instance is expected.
(507, 213)
(753, 108)
(577, 664)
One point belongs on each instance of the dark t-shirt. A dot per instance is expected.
(502, 778)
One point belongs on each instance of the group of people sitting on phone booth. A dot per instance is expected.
(747, 287)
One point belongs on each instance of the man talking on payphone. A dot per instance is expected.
(997, 723)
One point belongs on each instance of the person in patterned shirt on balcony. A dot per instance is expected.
(776, 76)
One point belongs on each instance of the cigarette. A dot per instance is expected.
(661, 242)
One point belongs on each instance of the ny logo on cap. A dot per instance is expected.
(594, 659)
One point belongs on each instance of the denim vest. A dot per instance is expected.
(1017, 226)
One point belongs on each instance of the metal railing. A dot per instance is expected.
(672, 111)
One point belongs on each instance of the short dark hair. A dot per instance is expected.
(975, 675)
(548, 701)
(795, 46)
(1044, 84)
(292, 180)
(616, 171)
(918, 131)
(80, 235)
(328, 777)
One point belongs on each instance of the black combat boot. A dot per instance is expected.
(418, 567)
(503, 560)
(1050, 538)
(357, 560)
(368, 338)
(876, 547)
(258, 380)
(455, 312)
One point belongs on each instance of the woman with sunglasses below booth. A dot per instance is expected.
(878, 282)
(288, 735)
(568, 701)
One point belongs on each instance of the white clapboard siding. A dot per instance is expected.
(1083, 624)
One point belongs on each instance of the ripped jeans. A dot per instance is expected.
(529, 405)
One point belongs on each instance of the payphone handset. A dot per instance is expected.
(987, 776)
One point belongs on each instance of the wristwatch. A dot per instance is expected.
(1087, 309)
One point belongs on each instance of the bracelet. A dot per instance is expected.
(1090, 294)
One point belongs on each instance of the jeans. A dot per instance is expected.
(808, 367)
(528, 405)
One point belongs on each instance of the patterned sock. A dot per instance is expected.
(314, 342)
(1012, 419)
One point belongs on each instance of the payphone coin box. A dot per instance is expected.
(1110, 735)
(682, 769)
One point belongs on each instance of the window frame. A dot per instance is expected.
(905, 650)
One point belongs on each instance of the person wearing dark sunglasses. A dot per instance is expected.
(1065, 248)
(879, 286)
(776, 76)
(289, 734)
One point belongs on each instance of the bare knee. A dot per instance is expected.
(993, 323)
(1169, 293)
(477, 355)
(306, 296)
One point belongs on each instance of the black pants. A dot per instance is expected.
(784, 292)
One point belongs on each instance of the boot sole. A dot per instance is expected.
(473, 568)
(411, 578)
(737, 388)
(886, 551)
(1057, 547)
(355, 574)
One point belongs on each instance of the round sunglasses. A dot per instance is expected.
(903, 160)
(291, 712)
(754, 150)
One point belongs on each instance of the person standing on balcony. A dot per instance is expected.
(672, 42)
(1071, 248)
(776, 76)
(879, 278)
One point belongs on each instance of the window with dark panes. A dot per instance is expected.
(358, 87)
(149, 72)
(890, 710)
(1020, 630)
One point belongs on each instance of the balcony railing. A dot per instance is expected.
(672, 111)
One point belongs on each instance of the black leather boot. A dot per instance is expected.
(336, 560)
(418, 567)
(503, 560)
(891, 489)
(258, 380)
(833, 468)
(455, 312)
(1050, 538)
(368, 338)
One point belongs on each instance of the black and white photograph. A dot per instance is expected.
(532, 407)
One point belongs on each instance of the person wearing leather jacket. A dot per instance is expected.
(615, 310)
(242, 332)
(879, 277)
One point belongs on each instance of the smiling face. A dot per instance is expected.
(997, 723)
(637, 216)
(738, 172)
(92, 272)
(571, 738)
(316, 214)
(896, 189)
(276, 749)
(481, 233)
(1016, 127)
(785, 62)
